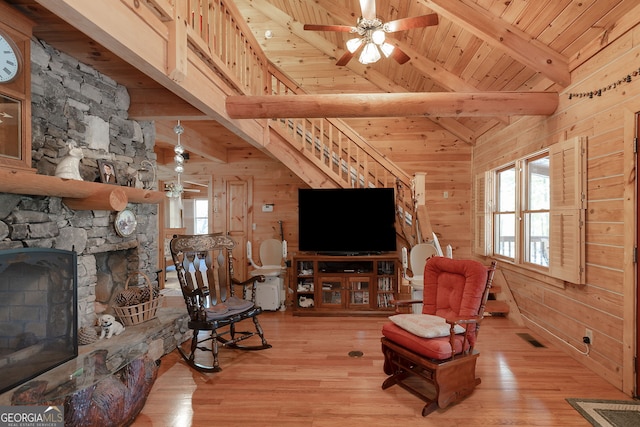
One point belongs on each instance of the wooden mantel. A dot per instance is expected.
(78, 195)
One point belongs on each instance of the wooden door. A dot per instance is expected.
(238, 220)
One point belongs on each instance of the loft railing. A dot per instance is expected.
(216, 32)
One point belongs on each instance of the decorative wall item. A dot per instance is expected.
(147, 174)
(125, 223)
(69, 166)
(107, 172)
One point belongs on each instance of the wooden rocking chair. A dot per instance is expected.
(204, 264)
(432, 354)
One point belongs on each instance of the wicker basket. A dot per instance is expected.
(87, 335)
(139, 313)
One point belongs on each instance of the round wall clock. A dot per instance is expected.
(9, 63)
(125, 223)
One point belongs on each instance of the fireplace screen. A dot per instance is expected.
(38, 312)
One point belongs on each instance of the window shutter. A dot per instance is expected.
(482, 214)
(568, 203)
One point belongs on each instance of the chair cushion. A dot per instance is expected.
(433, 348)
(453, 288)
(230, 307)
(425, 325)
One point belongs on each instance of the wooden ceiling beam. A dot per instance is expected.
(161, 104)
(510, 39)
(480, 104)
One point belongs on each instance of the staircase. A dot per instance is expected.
(500, 299)
(494, 306)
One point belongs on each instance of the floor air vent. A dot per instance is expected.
(531, 340)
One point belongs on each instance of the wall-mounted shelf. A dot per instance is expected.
(78, 195)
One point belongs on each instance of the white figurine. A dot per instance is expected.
(69, 167)
(305, 302)
(110, 326)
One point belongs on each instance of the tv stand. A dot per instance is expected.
(326, 285)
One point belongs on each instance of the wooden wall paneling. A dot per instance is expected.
(272, 183)
(605, 187)
(445, 159)
(604, 142)
(605, 303)
(630, 288)
(605, 210)
(605, 278)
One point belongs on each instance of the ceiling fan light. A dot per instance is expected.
(378, 37)
(354, 44)
(387, 49)
(370, 54)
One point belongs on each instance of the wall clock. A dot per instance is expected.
(9, 63)
(15, 89)
(125, 223)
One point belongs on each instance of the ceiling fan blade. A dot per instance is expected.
(195, 183)
(408, 23)
(345, 58)
(343, 28)
(399, 56)
(368, 8)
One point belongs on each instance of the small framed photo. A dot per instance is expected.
(107, 172)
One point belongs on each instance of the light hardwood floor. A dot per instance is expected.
(309, 379)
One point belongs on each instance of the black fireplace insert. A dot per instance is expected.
(38, 312)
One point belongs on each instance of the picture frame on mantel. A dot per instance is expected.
(107, 172)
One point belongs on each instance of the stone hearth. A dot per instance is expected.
(98, 361)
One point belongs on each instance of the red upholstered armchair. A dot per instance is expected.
(437, 346)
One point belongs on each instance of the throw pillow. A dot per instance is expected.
(424, 325)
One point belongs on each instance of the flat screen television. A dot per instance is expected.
(347, 221)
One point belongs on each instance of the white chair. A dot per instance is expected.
(273, 253)
(270, 294)
(417, 259)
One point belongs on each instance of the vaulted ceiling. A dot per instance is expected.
(477, 46)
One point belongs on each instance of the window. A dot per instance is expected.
(505, 214)
(535, 211)
(201, 217)
(521, 218)
(531, 212)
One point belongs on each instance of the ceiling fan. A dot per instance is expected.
(371, 31)
(175, 189)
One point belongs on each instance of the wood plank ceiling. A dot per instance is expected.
(478, 45)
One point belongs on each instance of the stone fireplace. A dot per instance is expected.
(73, 102)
